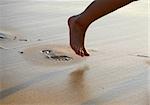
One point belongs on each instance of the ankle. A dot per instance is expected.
(80, 24)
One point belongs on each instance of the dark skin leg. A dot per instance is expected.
(78, 24)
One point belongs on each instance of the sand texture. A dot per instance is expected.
(116, 72)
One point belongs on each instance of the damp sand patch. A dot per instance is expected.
(51, 55)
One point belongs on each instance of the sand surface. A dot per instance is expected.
(116, 73)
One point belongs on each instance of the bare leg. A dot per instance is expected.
(78, 24)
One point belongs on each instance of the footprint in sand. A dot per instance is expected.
(53, 56)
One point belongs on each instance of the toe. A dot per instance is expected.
(81, 52)
(85, 52)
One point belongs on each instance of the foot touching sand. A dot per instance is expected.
(77, 33)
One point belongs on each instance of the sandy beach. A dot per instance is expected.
(116, 72)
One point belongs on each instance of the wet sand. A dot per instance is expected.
(114, 74)
(35, 55)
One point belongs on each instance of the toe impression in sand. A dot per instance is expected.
(53, 56)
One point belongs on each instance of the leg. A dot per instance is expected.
(78, 24)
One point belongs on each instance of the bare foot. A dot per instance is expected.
(77, 33)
